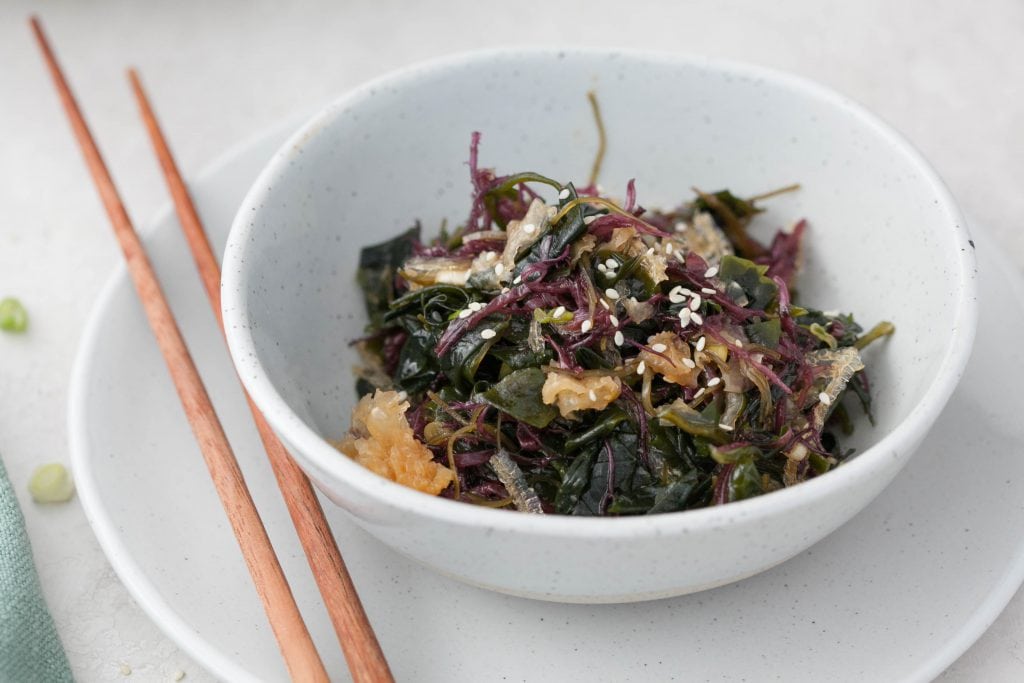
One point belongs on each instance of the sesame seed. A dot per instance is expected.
(714, 382)
(586, 326)
(641, 368)
(685, 315)
(529, 228)
(611, 263)
(518, 280)
(611, 294)
(487, 333)
(659, 348)
(825, 399)
(668, 247)
(465, 313)
(592, 395)
(619, 338)
(689, 363)
(676, 295)
(650, 251)
(708, 290)
(614, 320)
(475, 306)
(724, 427)
(695, 302)
(680, 226)
(558, 312)
(739, 344)
(602, 267)
(701, 343)
(587, 220)
(700, 392)
(711, 272)
(697, 318)
(499, 269)
(564, 194)
(605, 304)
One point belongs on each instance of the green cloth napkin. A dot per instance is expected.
(30, 650)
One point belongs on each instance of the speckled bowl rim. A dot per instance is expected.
(235, 291)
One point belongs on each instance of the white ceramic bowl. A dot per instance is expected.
(886, 241)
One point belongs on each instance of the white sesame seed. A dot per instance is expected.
(564, 194)
(650, 251)
(825, 399)
(487, 333)
(681, 256)
(724, 427)
(586, 326)
(611, 263)
(619, 338)
(697, 318)
(611, 294)
(739, 344)
(518, 280)
(685, 315)
(529, 228)
(708, 290)
(592, 395)
(676, 295)
(711, 272)
(641, 368)
(695, 302)
(602, 267)
(700, 392)
(668, 247)
(659, 348)
(475, 306)
(689, 363)
(558, 312)
(714, 382)
(587, 220)
(701, 343)
(465, 313)
(499, 269)
(614, 320)
(680, 226)
(605, 304)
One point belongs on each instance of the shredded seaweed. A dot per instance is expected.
(564, 352)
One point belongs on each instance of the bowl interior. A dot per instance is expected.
(881, 243)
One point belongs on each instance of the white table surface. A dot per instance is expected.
(949, 75)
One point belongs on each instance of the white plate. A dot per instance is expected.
(895, 595)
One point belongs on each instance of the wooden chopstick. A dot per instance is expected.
(365, 659)
(293, 637)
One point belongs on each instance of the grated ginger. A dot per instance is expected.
(672, 363)
(381, 440)
(583, 393)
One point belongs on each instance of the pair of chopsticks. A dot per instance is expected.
(362, 651)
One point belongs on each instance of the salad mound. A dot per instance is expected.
(563, 352)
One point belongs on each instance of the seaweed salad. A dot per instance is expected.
(564, 352)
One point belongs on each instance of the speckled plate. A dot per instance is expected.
(895, 595)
